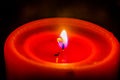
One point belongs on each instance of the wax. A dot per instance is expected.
(91, 53)
(78, 49)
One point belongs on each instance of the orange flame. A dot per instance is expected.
(63, 39)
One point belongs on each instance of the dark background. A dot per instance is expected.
(14, 13)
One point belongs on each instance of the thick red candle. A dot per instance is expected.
(91, 52)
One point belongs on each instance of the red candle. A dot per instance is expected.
(39, 50)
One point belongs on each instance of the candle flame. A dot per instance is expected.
(63, 39)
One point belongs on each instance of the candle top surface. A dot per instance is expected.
(88, 43)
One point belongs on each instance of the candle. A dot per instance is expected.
(61, 48)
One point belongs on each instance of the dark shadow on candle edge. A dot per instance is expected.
(64, 78)
(14, 13)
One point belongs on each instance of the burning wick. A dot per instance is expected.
(63, 42)
(60, 42)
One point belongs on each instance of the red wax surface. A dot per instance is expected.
(92, 51)
(44, 46)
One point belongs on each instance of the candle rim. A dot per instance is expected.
(99, 30)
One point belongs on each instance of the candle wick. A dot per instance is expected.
(63, 46)
(57, 54)
(56, 59)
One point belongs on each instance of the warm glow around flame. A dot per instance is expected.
(63, 39)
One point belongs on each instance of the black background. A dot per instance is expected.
(14, 13)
